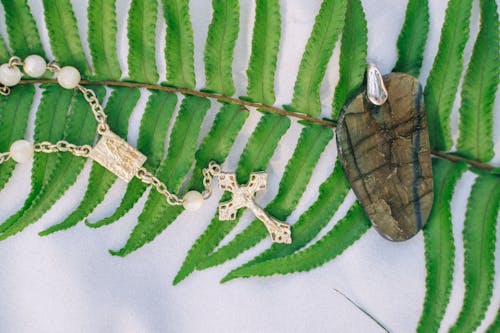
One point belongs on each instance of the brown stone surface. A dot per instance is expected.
(385, 153)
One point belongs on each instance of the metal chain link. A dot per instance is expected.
(209, 173)
(96, 107)
(15, 61)
(148, 178)
(4, 90)
(63, 146)
(4, 157)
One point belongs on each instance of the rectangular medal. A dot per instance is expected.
(118, 156)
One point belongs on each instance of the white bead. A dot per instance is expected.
(193, 200)
(10, 76)
(22, 151)
(34, 65)
(68, 77)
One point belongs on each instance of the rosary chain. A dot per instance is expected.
(102, 127)
(148, 178)
(4, 157)
(63, 146)
(96, 108)
(4, 90)
(209, 173)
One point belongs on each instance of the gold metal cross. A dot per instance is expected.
(243, 196)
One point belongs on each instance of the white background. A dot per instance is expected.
(68, 282)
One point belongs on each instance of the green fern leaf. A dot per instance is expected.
(151, 142)
(439, 246)
(119, 108)
(141, 38)
(479, 259)
(171, 171)
(102, 39)
(80, 129)
(4, 52)
(14, 112)
(479, 87)
(21, 27)
(221, 40)
(265, 47)
(312, 142)
(331, 194)
(179, 51)
(65, 43)
(344, 234)
(49, 126)
(411, 41)
(353, 50)
(319, 49)
(445, 74)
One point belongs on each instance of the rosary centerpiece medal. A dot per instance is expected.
(383, 147)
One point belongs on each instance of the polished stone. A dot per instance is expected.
(385, 153)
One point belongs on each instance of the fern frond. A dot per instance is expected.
(479, 88)
(344, 234)
(171, 171)
(142, 17)
(439, 246)
(80, 129)
(221, 40)
(413, 36)
(311, 144)
(319, 49)
(151, 142)
(445, 74)
(331, 194)
(21, 27)
(179, 51)
(255, 157)
(265, 47)
(14, 112)
(353, 51)
(49, 126)
(4, 52)
(65, 43)
(479, 258)
(118, 109)
(102, 39)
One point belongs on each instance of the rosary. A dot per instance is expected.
(126, 162)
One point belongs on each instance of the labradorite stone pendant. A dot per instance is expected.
(383, 147)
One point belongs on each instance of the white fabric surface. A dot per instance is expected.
(68, 282)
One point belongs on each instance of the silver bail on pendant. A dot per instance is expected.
(375, 88)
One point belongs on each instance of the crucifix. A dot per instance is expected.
(243, 196)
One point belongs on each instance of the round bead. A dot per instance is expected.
(22, 151)
(10, 76)
(192, 200)
(34, 65)
(68, 77)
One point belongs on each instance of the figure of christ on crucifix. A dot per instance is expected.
(243, 197)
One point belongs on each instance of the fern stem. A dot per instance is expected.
(244, 103)
(220, 98)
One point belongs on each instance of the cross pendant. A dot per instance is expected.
(243, 196)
